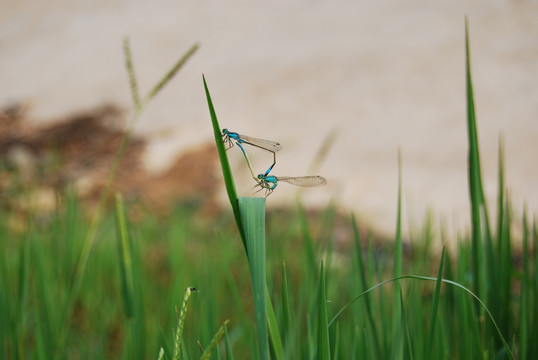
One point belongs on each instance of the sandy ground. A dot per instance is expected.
(383, 76)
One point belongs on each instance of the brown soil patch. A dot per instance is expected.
(81, 150)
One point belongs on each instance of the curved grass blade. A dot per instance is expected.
(478, 206)
(427, 278)
(225, 165)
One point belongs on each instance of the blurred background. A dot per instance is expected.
(379, 77)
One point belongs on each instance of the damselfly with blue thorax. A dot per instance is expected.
(270, 182)
(266, 181)
(272, 146)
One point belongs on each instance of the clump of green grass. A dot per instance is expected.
(113, 296)
(483, 268)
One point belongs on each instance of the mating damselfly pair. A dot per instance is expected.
(266, 181)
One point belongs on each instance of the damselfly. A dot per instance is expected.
(270, 182)
(272, 146)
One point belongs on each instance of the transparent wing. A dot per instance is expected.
(305, 181)
(268, 145)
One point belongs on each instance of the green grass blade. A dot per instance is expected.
(501, 197)
(15, 288)
(398, 240)
(496, 257)
(427, 278)
(228, 344)
(408, 348)
(416, 314)
(7, 332)
(286, 314)
(165, 344)
(365, 284)
(25, 273)
(533, 295)
(225, 165)
(336, 350)
(41, 333)
(252, 210)
(475, 181)
(397, 330)
(385, 325)
(324, 347)
(236, 300)
(523, 309)
(435, 306)
(184, 354)
(466, 310)
(45, 310)
(272, 328)
(501, 301)
(44, 306)
(328, 221)
(125, 260)
(132, 296)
